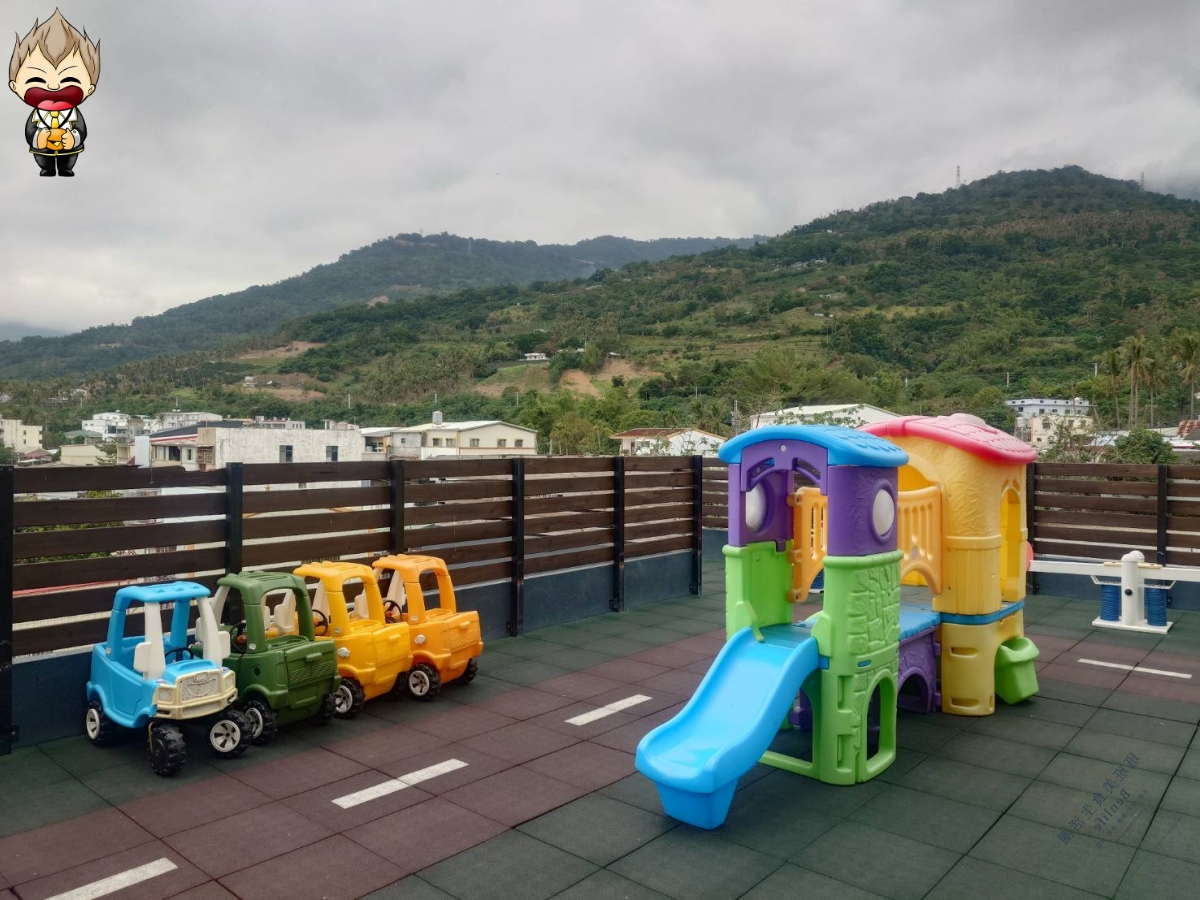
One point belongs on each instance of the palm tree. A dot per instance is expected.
(1135, 353)
(1114, 372)
(1185, 353)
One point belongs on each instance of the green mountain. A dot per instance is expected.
(402, 266)
(1037, 283)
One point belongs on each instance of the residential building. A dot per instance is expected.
(177, 419)
(852, 415)
(535, 357)
(213, 446)
(82, 455)
(439, 439)
(668, 442)
(1039, 419)
(111, 426)
(19, 437)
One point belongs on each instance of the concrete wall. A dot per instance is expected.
(49, 694)
(261, 445)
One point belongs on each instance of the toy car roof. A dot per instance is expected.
(166, 592)
(262, 581)
(410, 563)
(336, 570)
(845, 446)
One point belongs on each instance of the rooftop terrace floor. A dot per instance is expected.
(544, 808)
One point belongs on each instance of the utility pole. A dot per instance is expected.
(1142, 182)
(957, 176)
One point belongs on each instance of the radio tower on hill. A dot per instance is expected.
(957, 177)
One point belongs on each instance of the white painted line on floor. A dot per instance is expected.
(399, 784)
(118, 882)
(615, 707)
(1129, 668)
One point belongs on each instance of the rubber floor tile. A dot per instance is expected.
(1155, 877)
(191, 805)
(689, 864)
(670, 657)
(759, 820)
(1051, 735)
(970, 875)
(1047, 709)
(586, 765)
(425, 834)
(122, 784)
(1174, 834)
(530, 672)
(679, 682)
(31, 768)
(454, 724)
(414, 887)
(1102, 647)
(933, 820)
(1035, 849)
(606, 885)
(392, 743)
(627, 737)
(333, 869)
(1126, 724)
(520, 743)
(207, 891)
(24, 808)
(923, 737)
(619, 646)
(573, 659)
(1151, 695)
(708, 644)
(636, 790)
(895, 866)
(246, 839)
(319, 806)
(657, 702)
(514, 796)
(1190, 766)
(794, 883)
(298, 773)
(597, 828)
(508, 866)
(1068, 689)
(152, 871)
(965, 783)
(1058, 806)
(524, 703)
(80, 757)
(44, 851)
(626, 671)
(996, 753)
(1103, 777)
(906, 761)
(797, 792)
(559, 719)
(580, 685)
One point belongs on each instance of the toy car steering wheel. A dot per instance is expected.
(321, 626)
(238, 643)
(178, 651)
(392, 610)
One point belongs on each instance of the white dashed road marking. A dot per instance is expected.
(1128, 668)
(118, 882)
(614, 707)
(399, 784)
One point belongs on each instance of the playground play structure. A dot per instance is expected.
(918, 501)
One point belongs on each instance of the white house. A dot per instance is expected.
(18, 436)
(177, 419)
(439, 439)
(1039, 419)
(206, 447)
(668, 442)
(852, 415)
(1041, 406)
(110, 426)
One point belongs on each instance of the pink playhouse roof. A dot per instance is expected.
(960, 430)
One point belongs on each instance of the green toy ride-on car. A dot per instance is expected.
(284, 674)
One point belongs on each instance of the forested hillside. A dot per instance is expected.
(399, 267)
(1047, 283)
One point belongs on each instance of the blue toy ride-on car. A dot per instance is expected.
(155, 682)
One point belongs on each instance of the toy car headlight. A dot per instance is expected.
(228, 679)
(164, 695)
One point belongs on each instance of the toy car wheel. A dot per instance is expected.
(423, 681)
(348, 699)
(264, 722)
(229, 734)
(167, 750)
(327, 711)
(99, 727)
(469, 672)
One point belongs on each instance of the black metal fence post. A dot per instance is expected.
(516, 622)
(618, 601)
(233, 517)
(397, 475)
(697, 521)
(1031, 582)
(1161, 543)
(8, 730)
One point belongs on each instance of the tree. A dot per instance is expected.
(1070, 442)
(1185, 353)
(1143, 447)
(1114, 375)
(1135, 354)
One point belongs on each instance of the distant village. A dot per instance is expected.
(202, 441)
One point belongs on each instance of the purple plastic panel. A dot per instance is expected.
(918, 659)
(851, 491)
(773, 468)
(800, 715)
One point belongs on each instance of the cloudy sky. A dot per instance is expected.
(235, 143)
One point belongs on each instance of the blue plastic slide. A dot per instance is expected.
(697, 758)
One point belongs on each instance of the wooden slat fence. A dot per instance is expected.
(79, 533)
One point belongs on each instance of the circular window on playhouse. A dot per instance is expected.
(883, 513)
(756, 507)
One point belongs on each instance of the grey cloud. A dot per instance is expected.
(236, 143)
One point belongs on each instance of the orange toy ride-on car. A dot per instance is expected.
(372, 652)
(445, 642)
